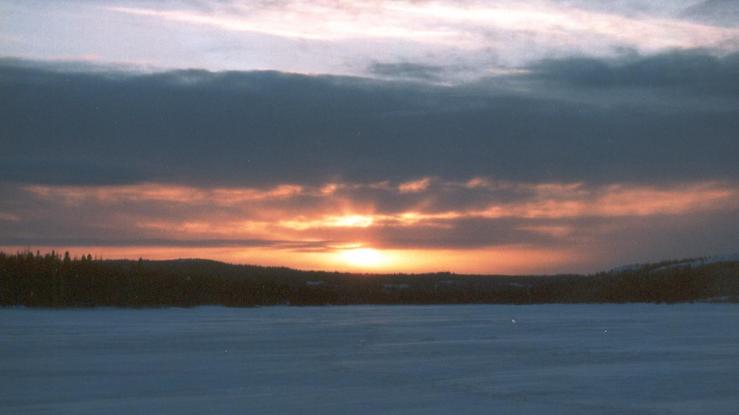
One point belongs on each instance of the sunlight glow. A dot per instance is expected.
(363, 257)
(353, 228)
(351, 221)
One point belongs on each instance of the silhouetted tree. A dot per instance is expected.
(50, 281)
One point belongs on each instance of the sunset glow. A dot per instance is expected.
(299, 226)
(532, 136)
(363, 258)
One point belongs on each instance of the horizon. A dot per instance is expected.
(504, 137)
(81, 256)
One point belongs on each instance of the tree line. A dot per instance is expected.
(59, 280)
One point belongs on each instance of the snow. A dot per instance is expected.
(699, 262)
(688, 263)
(628, 268)
(553, 359)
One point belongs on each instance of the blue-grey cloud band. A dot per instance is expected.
(655, 119)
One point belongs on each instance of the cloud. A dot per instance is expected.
(468, 25)
(565, 132)
(533, 213)
(586, 226)
(722, 12)
(269, 128)
(341, 37)
(687, 71)
(408, 70)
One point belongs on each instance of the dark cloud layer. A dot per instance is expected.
(682, 71)
(407, 70)
(262, 128)
(724, 12)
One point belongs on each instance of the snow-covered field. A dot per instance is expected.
(543, 359)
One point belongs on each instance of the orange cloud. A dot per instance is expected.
(205, 229)
(154, 192)
(9, 217)
(212, 210)
(573, 200)
(284, 224)
(414, 186)
(330, 221)
(620, 200)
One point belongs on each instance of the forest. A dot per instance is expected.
(59, 280)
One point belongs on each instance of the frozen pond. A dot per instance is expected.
(544, 359)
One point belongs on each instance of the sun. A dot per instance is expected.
(363, 257)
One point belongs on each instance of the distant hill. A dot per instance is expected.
(679, 263)
(53, 280)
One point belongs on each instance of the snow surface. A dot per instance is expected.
(687, 263)
(699, 262)
(541, 359)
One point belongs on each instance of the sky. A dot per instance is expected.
(504, 137)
